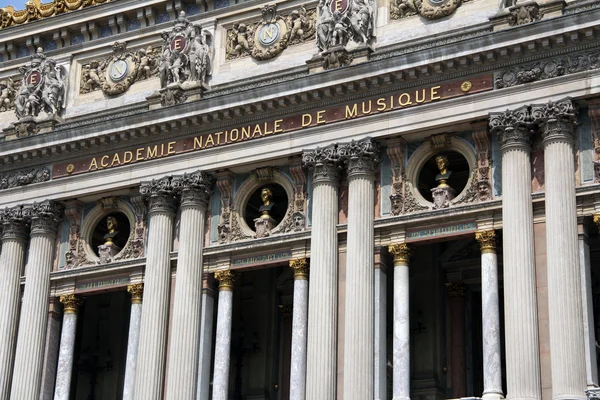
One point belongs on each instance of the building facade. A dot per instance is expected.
(333, 199)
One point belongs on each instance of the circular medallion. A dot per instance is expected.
(178, 43)
(269, 33)
(466, 86)
(70, 168)
(339, 5)
(118, 70)
(34, 78)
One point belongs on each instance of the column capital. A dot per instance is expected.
(161, 194)
(456, 290)
(325, 162)
(137, 292)
(361, 157)
(195, 188)
(487, 241)
(400, 251)
(226, 279)
(557, 120)
(15, 223)
(300, 268)
(45, 217)
(513, 127)
(71, 303)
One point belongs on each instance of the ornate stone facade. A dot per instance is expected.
(425, 8)
(34, 10)
(22, 178)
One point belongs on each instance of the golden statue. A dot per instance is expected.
(442, 164)
(266, 195)
(111, 224)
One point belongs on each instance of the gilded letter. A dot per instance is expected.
(237, 134)
(257, 129)
(127, 157)
(211, 140)
(351, 112)
(434, 93)
(306, 120)
(366, 111)
(278, 128)
(267, 131)
(139, 154)
(381, 104)
(320, 119)
(246, 132)
(404, 103)
(417, 96)
(219, 137)
(151, 152)
(93, 164)
(103, 163)
(116, 159)
(197, 142)
(171, 148)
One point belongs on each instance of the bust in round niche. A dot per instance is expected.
(110, 236)
(266, 209)
(443, 177)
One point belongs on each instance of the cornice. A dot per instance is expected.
(494, 51)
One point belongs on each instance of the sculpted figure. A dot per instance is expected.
(325, 25)
(7, 95)
(145, 68)
(442, 164)
(242, 39)
(111, 225)
(266, 195)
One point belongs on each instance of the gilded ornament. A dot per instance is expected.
(487, 240)
(35, 10)
(226, 279)
(300, 268)
(466, 86)
(70, 168)
(400, 251)
(137, 292)
(71, 302)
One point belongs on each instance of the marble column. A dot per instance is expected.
(361, 158)
(185, 324)
(12, 260)
(591, 365)
(206, 338)
(150, 366)
(458, 368)
(29, 355)
(52, 346)
(321, 371)
(490, 318)
(299, 329)
(67, 346)
(133, 339)
(226, 280)
(557, 122)
(401, 323)
(520, 298)
(380, 332)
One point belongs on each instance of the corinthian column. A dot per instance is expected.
(520, 301)
(29, 358)
(206, 336)
(490, 307)
(12, 259)
(226, 280)
(299, 325)
(185, 328)
(67, 347)
(133, 339)
(322, 298)
(557, 121)
(150, 366)
(401, 343)
(360, 274)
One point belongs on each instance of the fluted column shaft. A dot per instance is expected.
(206, 336)
(380, 331)
(490, 307)
(321, 372)
(29, 356)
(133, 339)
(150, 368)
(360, 302)
(299, 330)
(12, 260)
(223, 340)
(401, 323)
(520, 299)
(557, 123)
(185, 330)
(67, 347)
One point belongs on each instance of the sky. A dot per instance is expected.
(17, 4)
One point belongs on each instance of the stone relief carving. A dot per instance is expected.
(484, 167)
(75, 253)
(115, 74)
(35, 10)
(525, 13)
(137, 237)
(172, 97)
(547, 69)
(186, 55)
(594, 114)
(22, 178)
(297, 219)
(430, 9)
(268, 38)
(8, 93)
(225, 186)
(42, 88)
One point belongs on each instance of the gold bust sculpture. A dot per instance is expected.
(111, 225)
(266, 195)
(442, 164)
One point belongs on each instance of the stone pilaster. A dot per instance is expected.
(206, 337)
(67, 346)
(321, 356)
(557, 122)
(133, 339)
(520, 299)
(187, 303)
(226, 280)
(12, 260)
(591, 366)
(29, 356)
(150, 366)
(401, 323)
(51, 349)
(361, 158)
(299, 329)
(380, 329)
(490, 307)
